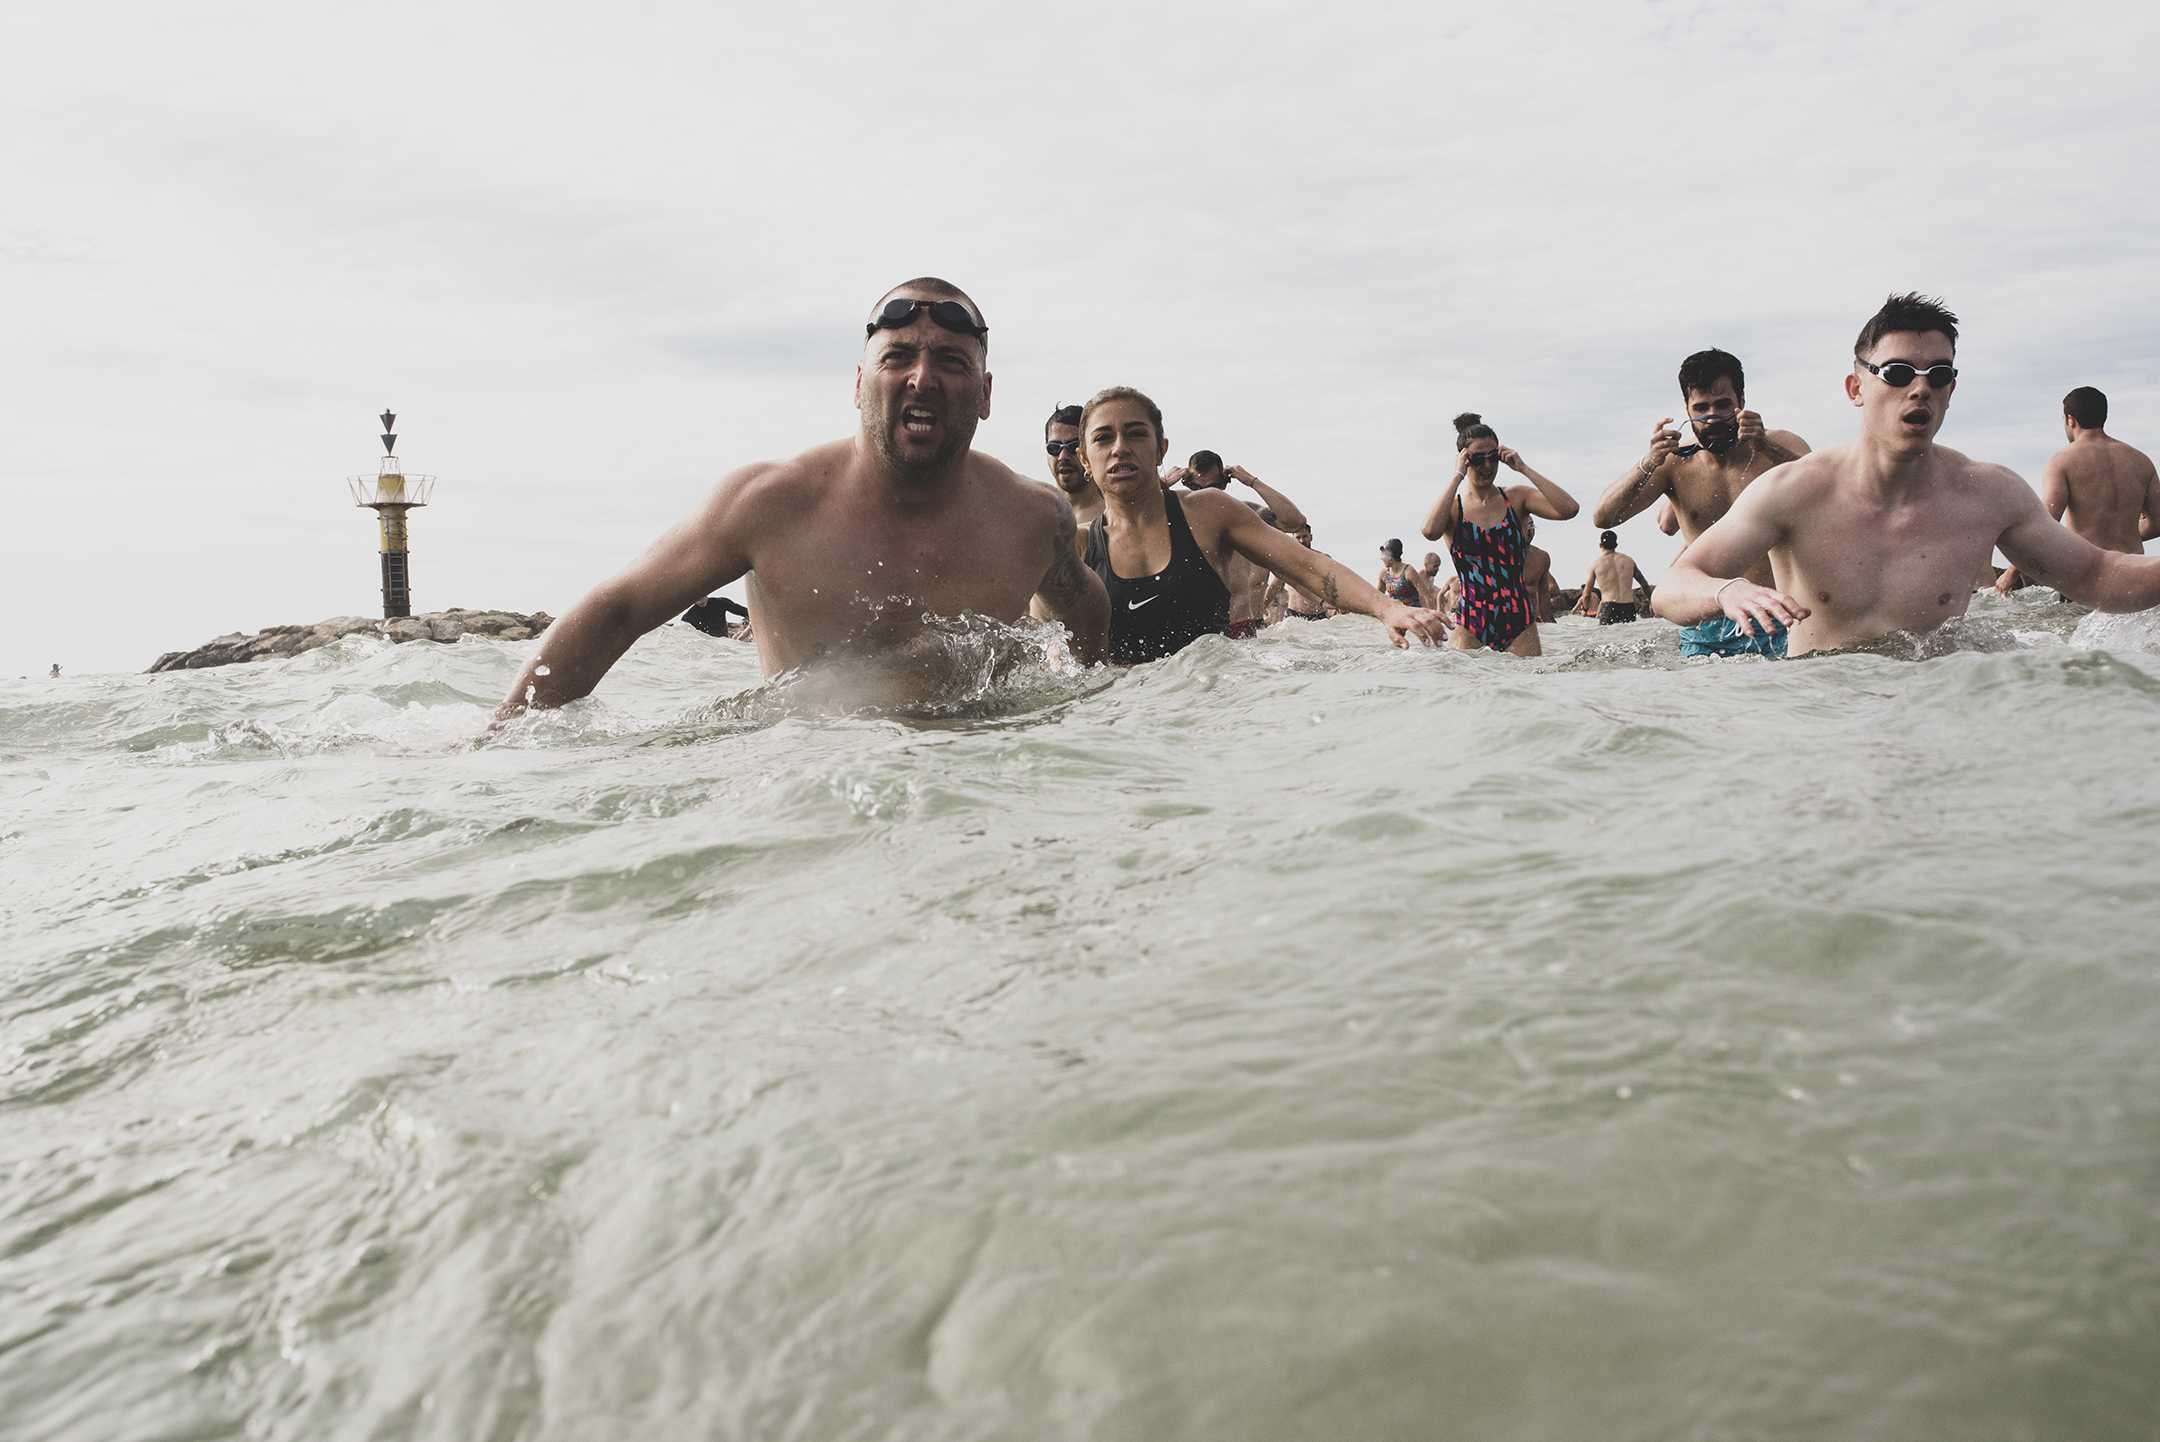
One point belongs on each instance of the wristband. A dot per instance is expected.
(1718, 598)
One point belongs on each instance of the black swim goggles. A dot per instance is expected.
(949, 314)
(1899, 374)
(1062, 448)
(1484, 458)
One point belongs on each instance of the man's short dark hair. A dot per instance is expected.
(1705, 368)
(2087, 407)
(1062, 416)
(1204, 461)
(1608, 540)
(1908, 312)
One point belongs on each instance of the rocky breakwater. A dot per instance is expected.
(275, 641)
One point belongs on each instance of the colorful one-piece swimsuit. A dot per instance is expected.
(1489, 559)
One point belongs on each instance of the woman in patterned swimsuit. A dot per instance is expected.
(1484, 528)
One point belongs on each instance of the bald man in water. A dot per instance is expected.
(2100, 488)
(1886, 534)
(852, 545)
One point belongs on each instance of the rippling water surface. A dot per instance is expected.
(1294, 1039)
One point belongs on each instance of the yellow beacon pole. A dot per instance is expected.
(390, 493)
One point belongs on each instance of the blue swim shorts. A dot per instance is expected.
(1719, 636)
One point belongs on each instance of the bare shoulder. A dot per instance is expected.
(1015, 495)
(1796, 482)
(1213, 511)
(765, 486)
(1788, 441)
(1987, 478)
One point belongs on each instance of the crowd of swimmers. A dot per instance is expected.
(854, 548)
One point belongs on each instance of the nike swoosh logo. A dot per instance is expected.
(1136, 605)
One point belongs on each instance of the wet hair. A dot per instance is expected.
(2087, 407)
(1108, 394)
(931, 286)
(1062, 416)
(1608, 540)
(1908, 312)
(1204, 461)
(1394, 549)
(1470, 426)
(1705, 368)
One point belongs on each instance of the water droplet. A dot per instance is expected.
(530, 692)
(1623, 1092)
(541, 671)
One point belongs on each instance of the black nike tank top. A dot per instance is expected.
(1156, 616)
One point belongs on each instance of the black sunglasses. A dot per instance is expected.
(949, 314)
(1484, 458)
(1062, 448)
(1900, 373)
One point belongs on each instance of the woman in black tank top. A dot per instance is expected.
(1159, 615)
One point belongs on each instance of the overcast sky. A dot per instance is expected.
(595, 256)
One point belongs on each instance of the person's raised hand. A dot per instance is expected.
(1462, 463)
(1239, 473)
(1664, 441)
(1758, 610)
(1511, 458)
(1751, 426)
(1172, 476)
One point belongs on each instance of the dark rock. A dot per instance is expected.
(277, 641)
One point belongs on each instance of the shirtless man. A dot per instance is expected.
(1061, 438)
(1162, 555)
(2100, 488)
(1294, 602)
(1428, 579)
(1614, 574)
(1703, 480)
(1887, 533)
(1248, 583)
(850, 544)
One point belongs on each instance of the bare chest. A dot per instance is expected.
(1866, 570)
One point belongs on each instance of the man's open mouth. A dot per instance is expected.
(918, 420)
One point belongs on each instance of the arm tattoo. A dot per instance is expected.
(1067, 577)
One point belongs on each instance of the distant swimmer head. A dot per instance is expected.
(1714, 387)
(1481, 442)
(1393, 551)
(1121, 439)
(1204, 471)
(2086, 409)
(1608, 540)
(923, 383)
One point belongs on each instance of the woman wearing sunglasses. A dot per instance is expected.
(1486, 531)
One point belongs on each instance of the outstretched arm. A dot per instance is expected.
(1070, 593)
(2054, 555)
(1710, 577)
(1542, 497)
(1322, 576)
(2055, 495)
(696, 558)
(1287, 514)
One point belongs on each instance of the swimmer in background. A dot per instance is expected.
(1701, 481)
(1248, 583)
(1061, 440)
(1428, 579)
(1887, 533)
(1161, 555)
(1483, 529)
(937, 529)
(2100, 488)
(1614, 574)
(1294, 603)
(1394, 578)
(711, 616)
(1537, 577)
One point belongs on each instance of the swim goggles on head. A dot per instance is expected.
(949, 314)
(1900, 374)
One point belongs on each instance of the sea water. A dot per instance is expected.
(1291, 1039)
